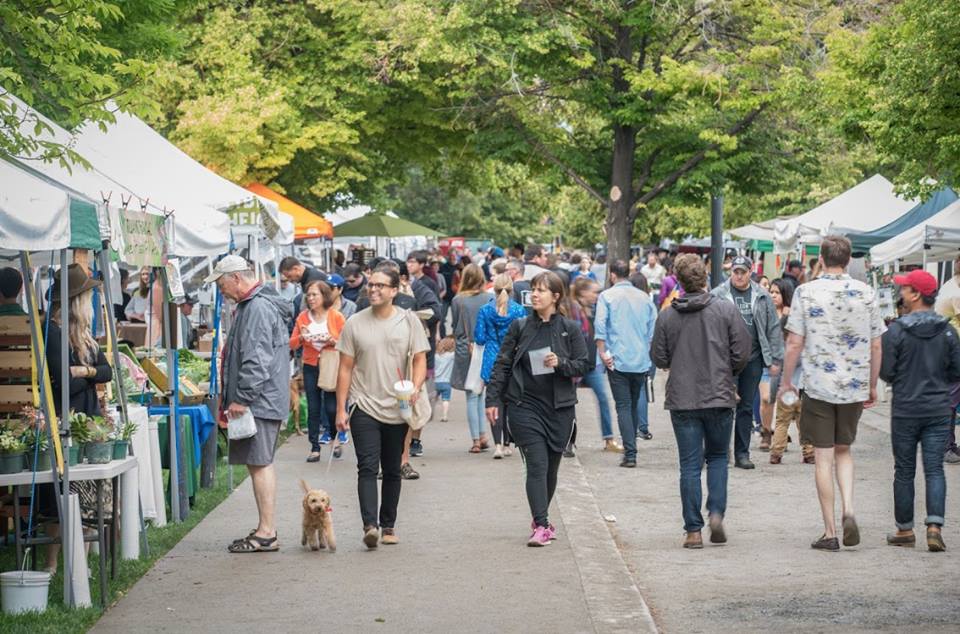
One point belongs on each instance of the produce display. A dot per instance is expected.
(194, 368)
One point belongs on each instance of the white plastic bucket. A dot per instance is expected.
(24, 590)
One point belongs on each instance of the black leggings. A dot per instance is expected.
(501, 435)
(377, 445)
(542, 468)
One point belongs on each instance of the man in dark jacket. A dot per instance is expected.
(256, 380)
(704, 341)
(296, 271)
(921, 360)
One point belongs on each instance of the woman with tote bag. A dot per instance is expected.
(468, 357)
(317, 331)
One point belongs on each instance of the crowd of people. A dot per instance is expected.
(379, 347)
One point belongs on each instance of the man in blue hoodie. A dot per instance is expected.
(921, 360)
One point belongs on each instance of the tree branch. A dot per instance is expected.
(696, 159)
(569, 171)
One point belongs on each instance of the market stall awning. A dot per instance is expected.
(377, 225)
(307, 224)
(864, 207)
(34, 215)
(921, 213)
(938, 238)
(757, 230)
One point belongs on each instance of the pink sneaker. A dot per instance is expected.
(551, 530)
(540, 537)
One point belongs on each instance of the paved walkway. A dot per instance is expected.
(767, 578)
(462, 564)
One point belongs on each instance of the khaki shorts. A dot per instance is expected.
(826, 424)
(258, 450)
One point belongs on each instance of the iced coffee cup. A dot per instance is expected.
(404, 391)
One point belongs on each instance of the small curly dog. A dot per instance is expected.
(317, 522)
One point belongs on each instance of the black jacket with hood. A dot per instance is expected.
(704, 341)
(566, 341)
(921, 359)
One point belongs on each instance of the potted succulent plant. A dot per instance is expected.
(121, 444)
(35, 437)
(12, 449)
(80, 425)
(99, 446)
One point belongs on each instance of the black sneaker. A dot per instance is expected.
(744, 463)
(569, 451)
(628, 464)
(645, 435)
(416, 448)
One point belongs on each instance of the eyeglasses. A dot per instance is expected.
(375, 286)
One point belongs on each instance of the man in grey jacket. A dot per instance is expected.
(756, 307)
(704, 342)
(256, 378)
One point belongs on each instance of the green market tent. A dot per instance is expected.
(377, 225)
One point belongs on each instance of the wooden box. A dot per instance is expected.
(190, 393)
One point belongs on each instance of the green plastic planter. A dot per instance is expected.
(99, 452)
(120, 449)
(43, 461)
(11, 462)
(73, 455)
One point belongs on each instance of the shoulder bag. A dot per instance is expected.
(422, 410)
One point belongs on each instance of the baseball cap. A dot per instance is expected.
(229, 264)
(335, 280)
(918, 280)
(741, 262)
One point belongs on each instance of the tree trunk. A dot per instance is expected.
(620, 215)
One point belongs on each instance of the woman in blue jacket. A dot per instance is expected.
(493, 320)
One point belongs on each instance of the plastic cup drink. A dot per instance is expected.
(789, 398)
(404, 390)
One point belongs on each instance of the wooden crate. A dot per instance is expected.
(190, 393)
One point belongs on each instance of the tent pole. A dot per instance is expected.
(172, 393)
(66, 527)
(112, 329)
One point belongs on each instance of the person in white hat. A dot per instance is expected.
(256, 377)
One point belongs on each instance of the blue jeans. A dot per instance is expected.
(321, 407)
(931, 433)
(747, 382)
(476, 416)
(702, 435)
(630, 397)
(594, 380)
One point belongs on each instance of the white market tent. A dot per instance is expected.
(46, 227)
(140, 157)
(936, 239)
(758, 230)
(864, 207)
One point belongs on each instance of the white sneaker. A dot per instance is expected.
(507, 451)
(498, 452)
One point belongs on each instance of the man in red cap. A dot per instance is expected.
(921, 359)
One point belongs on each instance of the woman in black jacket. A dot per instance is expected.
(534, 374)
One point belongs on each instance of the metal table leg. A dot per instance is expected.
(113, 528)
(102, 544)
(16, 527)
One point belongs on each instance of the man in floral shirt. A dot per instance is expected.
(835, 323)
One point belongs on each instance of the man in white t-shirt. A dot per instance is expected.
(653, 271)
(375, 344)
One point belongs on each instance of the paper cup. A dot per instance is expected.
(404, 391)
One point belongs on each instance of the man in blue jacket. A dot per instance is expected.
(921, 360)
(624, 327)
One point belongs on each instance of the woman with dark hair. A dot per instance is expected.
(583, 310)
(465, 310)
(317, 328)
(781, 291)
(534, 375)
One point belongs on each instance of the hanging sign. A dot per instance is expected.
(144, 238)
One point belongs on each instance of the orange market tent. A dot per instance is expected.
(307, 225)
